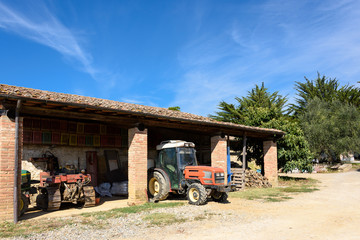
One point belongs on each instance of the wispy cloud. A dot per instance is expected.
(200, 91)
(44, 28)
(318, 37)
(281, 44)
(141, 99)
(130, 100)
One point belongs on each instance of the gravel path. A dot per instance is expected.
(133, 226)
(331, 213)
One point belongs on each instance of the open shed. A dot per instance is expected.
(114, 141)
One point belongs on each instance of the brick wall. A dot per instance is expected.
(270, 162)
(138, 145)
(7, 165)
(218, 153)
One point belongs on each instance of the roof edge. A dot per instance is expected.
(29, 94)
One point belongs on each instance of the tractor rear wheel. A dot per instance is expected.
(24, 204)
(196, 194)
(158, 187)
(219, 196)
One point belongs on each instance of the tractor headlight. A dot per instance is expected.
(219, 177)
(219, 174)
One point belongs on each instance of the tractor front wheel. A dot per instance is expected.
(196, 194)
(157, 186)
(219, 196)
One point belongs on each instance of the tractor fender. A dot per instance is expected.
(188, 182)
(164, 174)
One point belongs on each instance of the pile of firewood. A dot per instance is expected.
(255, 179)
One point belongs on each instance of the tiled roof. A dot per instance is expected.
(8, 91)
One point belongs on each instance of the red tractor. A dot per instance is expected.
(55, 189)
(62, 185)
(176, 171)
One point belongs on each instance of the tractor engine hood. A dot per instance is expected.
(204, 168)
(206, 175)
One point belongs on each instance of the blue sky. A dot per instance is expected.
(191, 54)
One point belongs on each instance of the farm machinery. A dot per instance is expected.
(57, 186)
(27, 191)
(176, 171)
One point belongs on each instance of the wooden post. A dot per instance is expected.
(244, 158)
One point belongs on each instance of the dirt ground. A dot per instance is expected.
(333, 212)
(70, 210)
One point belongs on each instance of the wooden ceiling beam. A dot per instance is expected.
(30, 108)
(41, 112)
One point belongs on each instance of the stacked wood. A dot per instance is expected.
(255, 179)
(250, 179)
(238, 178)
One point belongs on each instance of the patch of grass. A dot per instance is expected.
(256, 193)
(210, 214)
(161, 219)
(287, 186)
(272, 199)
(119, 212)
(205, 215)
(301, 189)
(28, 227)
(355, 166)
(200, 218)
(290, 181)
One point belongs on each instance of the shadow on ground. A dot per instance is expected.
(34, 212)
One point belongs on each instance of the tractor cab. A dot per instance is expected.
(173, 157)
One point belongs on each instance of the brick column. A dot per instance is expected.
(138, 154)
(270, 162)
(7, 165)
(218, 153)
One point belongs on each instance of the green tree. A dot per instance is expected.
(257, 107)
(293, 149)
(332, 128)
(326, 89)
(176, 108)
(261, 108)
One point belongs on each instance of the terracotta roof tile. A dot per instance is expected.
(22, 92)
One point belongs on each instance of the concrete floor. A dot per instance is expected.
(68, 209)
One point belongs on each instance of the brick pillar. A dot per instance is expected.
(7, 165)
(137, 166)
(270, 162)
(218, 153)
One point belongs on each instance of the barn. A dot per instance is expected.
(113, 141)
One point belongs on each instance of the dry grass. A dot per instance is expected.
(287, 187)
(27, 227)
(161, 219)
(94, 219)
